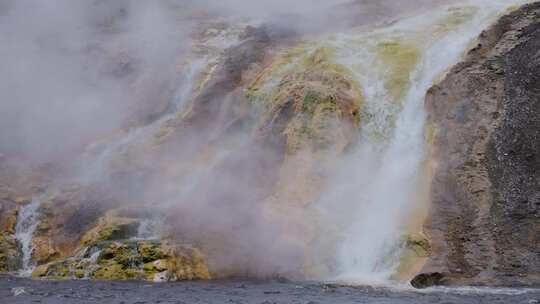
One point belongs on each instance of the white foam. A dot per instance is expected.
(371, 198)
(27, 222)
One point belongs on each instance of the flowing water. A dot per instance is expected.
(23, 291)
(141, 135)
(197, 66)
(28, 218)
(365, 210)
(27, 222)
(377, 191)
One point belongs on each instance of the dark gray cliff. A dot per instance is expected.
(484, 222)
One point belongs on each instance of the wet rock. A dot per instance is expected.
(64, 216)
(111, 227)
(10, 254)
(415, 249)
(44, 250)
(125, 260)
(426, 280)
(315, 104)
(417, 243)
(158, 265)
(483, 223)
(401, 58)
(151, 251)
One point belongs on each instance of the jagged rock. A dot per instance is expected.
(484, 219)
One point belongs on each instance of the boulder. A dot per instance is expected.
(426, 280)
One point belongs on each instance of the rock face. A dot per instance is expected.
(315, 105)
(10, 255)
(484, 222)
(273, 152)
(123, 260)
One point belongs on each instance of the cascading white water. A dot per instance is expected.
(194, 69)
(27, 222)
(375, 191)
(141, 134)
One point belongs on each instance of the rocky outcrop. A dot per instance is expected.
(10, 254)
(484, 222)
(310, 118)
(315, 105)
(129, 260)
(10, 248)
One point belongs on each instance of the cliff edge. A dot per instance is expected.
(484, 221)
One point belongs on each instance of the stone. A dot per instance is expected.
(111, 227)
(483, 220)
(426, 280)
(10, 254)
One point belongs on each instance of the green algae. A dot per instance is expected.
(415, 247)
(295, 67)
(400, 58)
(110, 227)
(264, 87)
(322, 94)
(10, 254)
(129, 260)
(456, 17)
(151, 251)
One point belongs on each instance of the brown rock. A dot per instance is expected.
(484, 218)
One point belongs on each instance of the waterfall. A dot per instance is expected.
(141, 135)
(198, 66)
(27, 222)
(369, 202)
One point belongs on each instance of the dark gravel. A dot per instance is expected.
(18, 290)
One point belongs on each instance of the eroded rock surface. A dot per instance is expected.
(129, 260)
(484, 222)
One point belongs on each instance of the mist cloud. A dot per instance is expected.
(73, 71)
(77, 72)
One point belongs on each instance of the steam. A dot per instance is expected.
(143, 101)
(74, 71)
(378, 186)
